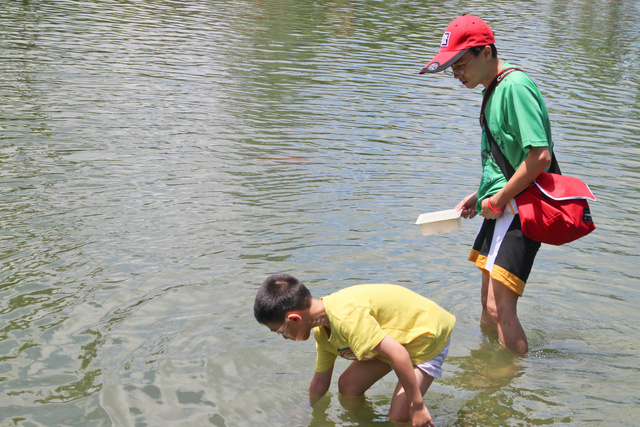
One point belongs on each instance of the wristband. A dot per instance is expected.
(492, 208)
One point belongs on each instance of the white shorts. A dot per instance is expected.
(434, 366)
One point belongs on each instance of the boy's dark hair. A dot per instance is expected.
(278, 295)
(477, 49)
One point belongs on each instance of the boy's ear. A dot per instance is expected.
(294, 316)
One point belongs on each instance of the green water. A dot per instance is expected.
(161, 158)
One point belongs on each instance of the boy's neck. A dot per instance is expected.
(317, 314)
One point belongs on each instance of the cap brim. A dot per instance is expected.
(442, 61)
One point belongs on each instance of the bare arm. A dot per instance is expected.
(319, 385)
(535, 162)
(401, 363)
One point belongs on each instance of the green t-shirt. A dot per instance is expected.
(361, 316)
(518, 120)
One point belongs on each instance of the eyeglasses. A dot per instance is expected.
(452, 72)
(283, 328)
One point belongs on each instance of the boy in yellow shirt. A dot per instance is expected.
(380, 327)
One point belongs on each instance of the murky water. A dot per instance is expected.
(161, 158)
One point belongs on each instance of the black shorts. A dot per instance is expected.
(503, 252)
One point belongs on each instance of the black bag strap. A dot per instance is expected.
(498, 155)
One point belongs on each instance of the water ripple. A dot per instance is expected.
(161, 158)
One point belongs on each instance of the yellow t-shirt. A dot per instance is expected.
(361, 316)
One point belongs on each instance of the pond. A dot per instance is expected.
(161, 158)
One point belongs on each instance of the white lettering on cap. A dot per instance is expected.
(445, 39)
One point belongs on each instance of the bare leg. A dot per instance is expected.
(359, 376)
(499, 307)
(485, 318)
(399, 411)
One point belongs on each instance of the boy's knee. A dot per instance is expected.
(499, 315)
(349, 386)
(399, 416)
(492, 310)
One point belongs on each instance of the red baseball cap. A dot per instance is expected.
(463, 33)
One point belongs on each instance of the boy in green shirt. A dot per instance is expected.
(517, 120)
(379, 327)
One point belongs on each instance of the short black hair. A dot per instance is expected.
(278, 295)
(477, 49)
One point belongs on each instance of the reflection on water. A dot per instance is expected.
(483, 376)
(159, 159)
(354, 411)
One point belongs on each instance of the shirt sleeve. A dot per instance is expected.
(326, 355)
(526, 118)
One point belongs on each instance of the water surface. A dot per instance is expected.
(161, 158)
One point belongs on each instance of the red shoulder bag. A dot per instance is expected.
(554, 209)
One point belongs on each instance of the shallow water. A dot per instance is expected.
(160, 159)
